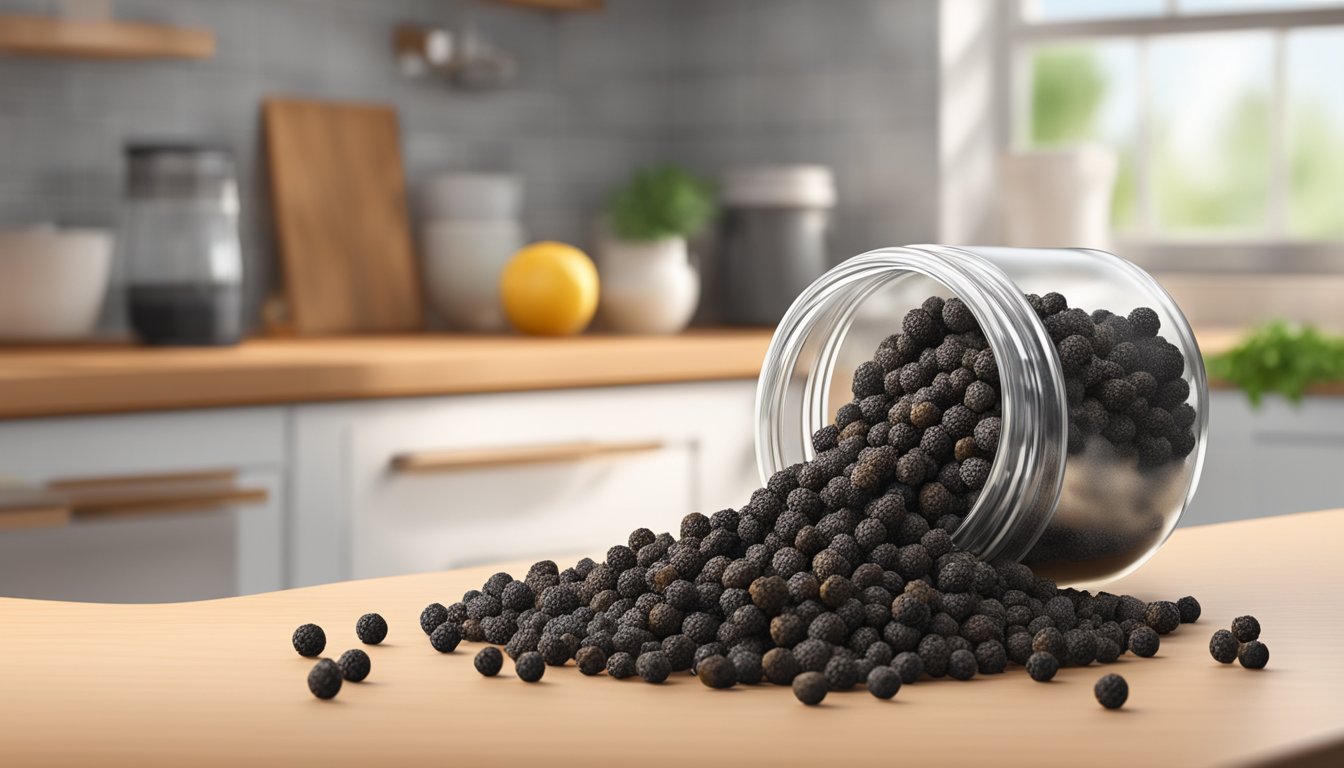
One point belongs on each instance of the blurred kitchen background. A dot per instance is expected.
(258, 330)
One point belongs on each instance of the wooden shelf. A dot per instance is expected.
(558, 5)
(50, 36)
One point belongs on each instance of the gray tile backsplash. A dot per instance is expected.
(708, 83)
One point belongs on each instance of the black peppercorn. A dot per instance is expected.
(908, 665)
(961, 665)
(371, 628)
(884, 682)
(489, 661)
(529, 667)
(445, 638)
(324, 679)
(621, 665)
(433, 615)
(1223, 647)
(810, 688)
(1144, 642)
(310, 640)
(1042, 666)
(354, 665)
(716, 672)
(653, 667)
(1163, 616)
(1253, 654)
(1189, 609)
(1111, 691)
(1245, 629)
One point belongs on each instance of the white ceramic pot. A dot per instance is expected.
(647, 287)
(52, 282)
(463, 260)
(474, 196)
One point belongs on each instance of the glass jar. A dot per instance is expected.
(180, 237)
(1058, 497)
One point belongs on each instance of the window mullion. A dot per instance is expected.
(1147, 223)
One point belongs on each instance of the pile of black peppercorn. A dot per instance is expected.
(842, 571)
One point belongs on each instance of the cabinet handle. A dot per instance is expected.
(103, 498)
(509, 456)
(28, 518)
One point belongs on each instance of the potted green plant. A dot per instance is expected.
(648, 282)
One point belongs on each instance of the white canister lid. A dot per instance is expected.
(459, 196)
(779, 186)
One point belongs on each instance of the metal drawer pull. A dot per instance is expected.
(510, 456)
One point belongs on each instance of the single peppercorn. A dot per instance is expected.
(309, 640)
(489, 661)
(1245, 629)
(908, 665)
(1111, 691)
(1144, 642)
(810, 688)
(1223, 647)
(371, 628)
(433, 615)
(1253, 654)
(1042, 666)
(653, 667)
(324, 679)
(354, 665)
(884, 682)
(716, 672)
(780, 666)
(445, 638)
(961, 665)
(621, 665)
(529, 667)
(1163, 616)
(1189, 608)
(590, 660)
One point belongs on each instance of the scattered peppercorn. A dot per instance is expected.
(961, 665)
(1163, 616)
(1253, 654)
(489, 661)
(529, 667)
(324, 679)
(1245, 629)
(445, 638)
(810, 688)
(653, 667)
(621, 665)
(1189, 608)
(309, 640)
(1144, 642)
(1042, 666)
(1223, 647)
(1111, 691)
(433, 615)
(717, 672)
(354, 665)
(884, 682)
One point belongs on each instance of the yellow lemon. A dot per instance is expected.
(549, 289)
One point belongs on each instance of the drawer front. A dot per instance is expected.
(133, 545)
(447, 482)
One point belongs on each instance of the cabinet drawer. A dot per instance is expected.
(416, 485)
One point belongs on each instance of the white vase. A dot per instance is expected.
(463, 260)
(647, 287)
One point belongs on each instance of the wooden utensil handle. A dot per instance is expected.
(509, 456)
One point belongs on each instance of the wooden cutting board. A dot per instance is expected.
(339, 193)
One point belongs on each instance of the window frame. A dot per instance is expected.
(1272, 249)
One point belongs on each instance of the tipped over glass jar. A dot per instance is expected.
(1063, 420)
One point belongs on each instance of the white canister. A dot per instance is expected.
(52, 282)
(463, 260)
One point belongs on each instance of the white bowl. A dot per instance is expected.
(472, 196)
(463, 260)
(52, 282)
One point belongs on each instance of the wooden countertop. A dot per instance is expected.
(69, 380)
(217, 682)
(55, 381)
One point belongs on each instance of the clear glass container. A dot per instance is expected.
(1079, 512)
(180, 238)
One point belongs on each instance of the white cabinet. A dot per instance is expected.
(510, 475)
(1272, 460)
(161, 552)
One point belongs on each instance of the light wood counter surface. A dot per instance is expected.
(57, 381)
(217, 683)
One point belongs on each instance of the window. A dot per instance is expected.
(1227, 115)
